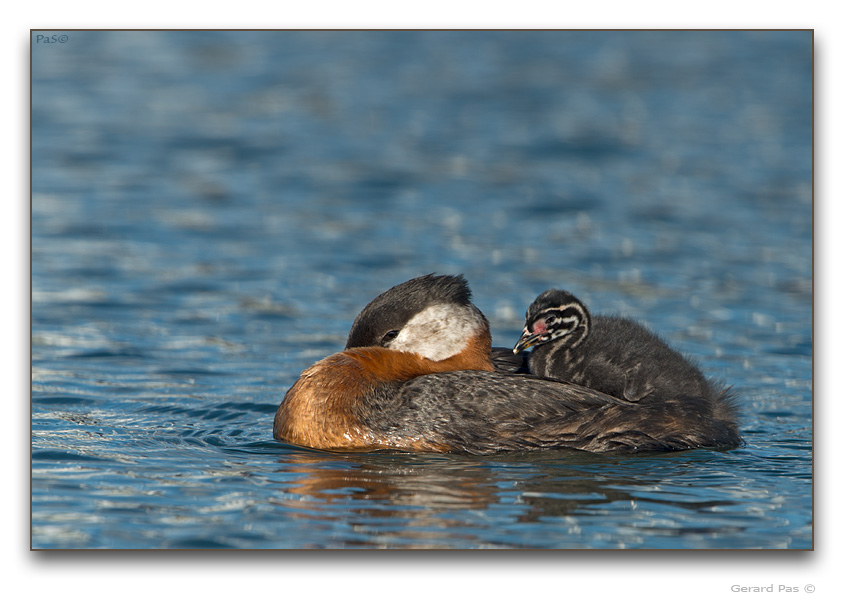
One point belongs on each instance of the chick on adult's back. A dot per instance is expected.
(613, 355)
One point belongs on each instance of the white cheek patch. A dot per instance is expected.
(439, 331)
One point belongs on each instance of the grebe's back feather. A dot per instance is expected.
(482, 412)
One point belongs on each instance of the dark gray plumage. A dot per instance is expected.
(481, 412)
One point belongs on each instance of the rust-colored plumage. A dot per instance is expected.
(321, 409)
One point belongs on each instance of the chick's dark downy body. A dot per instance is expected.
(610, 354)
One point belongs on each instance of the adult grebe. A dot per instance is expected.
(417, 375)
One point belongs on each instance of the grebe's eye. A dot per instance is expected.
(390, 336)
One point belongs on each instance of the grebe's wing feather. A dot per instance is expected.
(483, 412)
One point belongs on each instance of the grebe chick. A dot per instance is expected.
(613, 355)
(417, 376)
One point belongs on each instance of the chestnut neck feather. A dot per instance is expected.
(318, 411)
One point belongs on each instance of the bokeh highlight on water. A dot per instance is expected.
(210, 210)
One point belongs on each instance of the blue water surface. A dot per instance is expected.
(210, 211)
